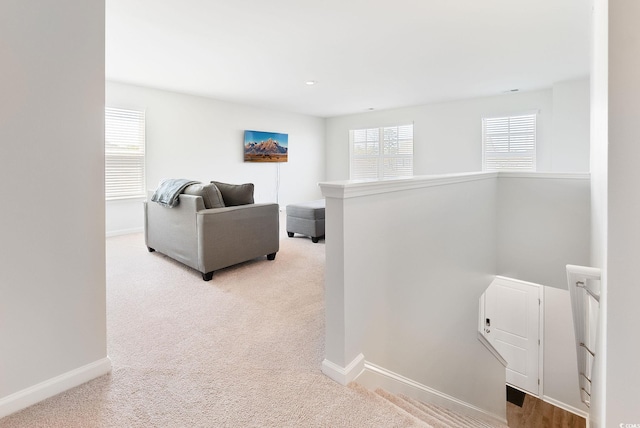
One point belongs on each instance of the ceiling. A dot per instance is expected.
(363, 54)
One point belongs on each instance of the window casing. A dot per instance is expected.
(378, 153)
(509, 143)
(124, 153)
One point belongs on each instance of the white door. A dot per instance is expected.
(512, 325)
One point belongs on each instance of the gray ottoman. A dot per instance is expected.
(306, 219)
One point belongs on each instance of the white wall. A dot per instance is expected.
(407, 262)
(124, 216)
(623, 222)
(571, 109)
(560, 370)
(414, 263)
(448, 136)
(543, 225)
(52, 257)
(202, 139)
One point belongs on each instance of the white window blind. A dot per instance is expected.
(509, 143)
(385, 152)
(124, 153)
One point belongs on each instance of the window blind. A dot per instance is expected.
(124, 153)
(509, 143)
(385, 152)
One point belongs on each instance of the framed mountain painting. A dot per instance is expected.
(260, 146)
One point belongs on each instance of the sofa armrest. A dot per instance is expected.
(173, 231)
(231, 235)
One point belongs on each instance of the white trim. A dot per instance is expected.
(43, 390)
(564, 406)
(375, 376)
(547, 175)
(585, 271)
(524, 391)
(491, 349)
(517, 281)
(142, 197)
(344, 375)
(119, 232)
(356, 188)
(511, 113)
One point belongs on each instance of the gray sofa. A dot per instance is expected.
(211, 239)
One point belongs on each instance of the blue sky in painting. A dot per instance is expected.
(258, 136)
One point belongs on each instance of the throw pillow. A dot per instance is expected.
(209, 192)
(235, 194)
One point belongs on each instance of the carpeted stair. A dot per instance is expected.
(428, 415)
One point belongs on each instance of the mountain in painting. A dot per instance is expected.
(267, 147)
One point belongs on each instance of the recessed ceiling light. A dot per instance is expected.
(371, 108)
(512, 90)
(310, 82)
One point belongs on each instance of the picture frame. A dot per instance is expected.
(262, 146)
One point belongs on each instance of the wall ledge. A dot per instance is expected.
(547, 175)
(43, 390)
(357, 188)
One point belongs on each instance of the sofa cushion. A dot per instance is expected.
(210, 194)
(235, 194)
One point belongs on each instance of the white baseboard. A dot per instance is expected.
(568, 408)
(49, 388)
(344, 375)
(111, 233)
(378, 377)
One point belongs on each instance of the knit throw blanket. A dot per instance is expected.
(168, 191)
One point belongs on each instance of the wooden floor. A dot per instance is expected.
(536, 413)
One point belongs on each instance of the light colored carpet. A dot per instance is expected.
(242, 350)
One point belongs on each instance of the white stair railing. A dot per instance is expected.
(584, 289)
